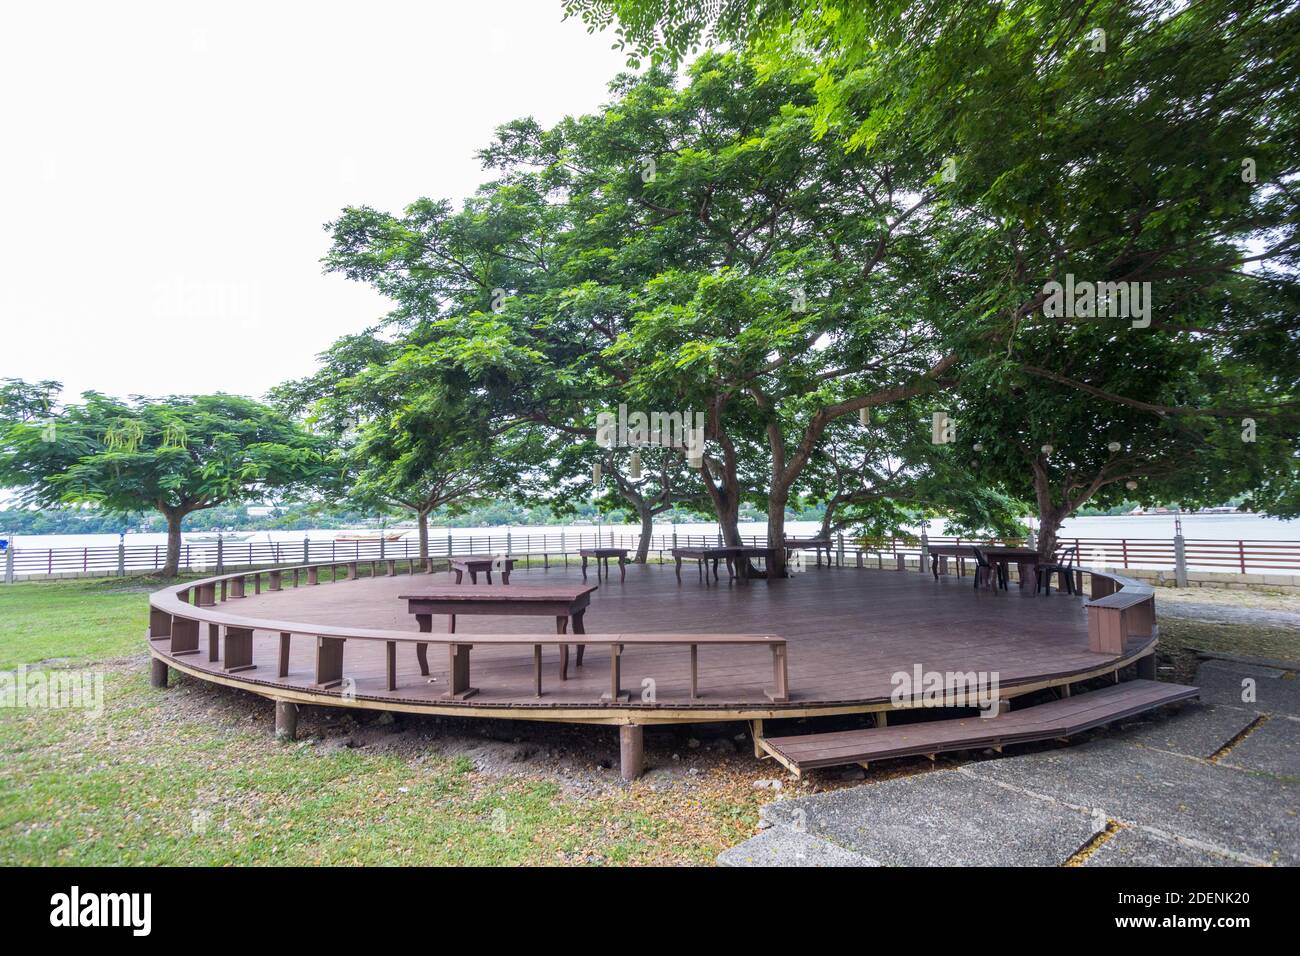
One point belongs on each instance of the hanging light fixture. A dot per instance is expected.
(595, 473)
(634, 466)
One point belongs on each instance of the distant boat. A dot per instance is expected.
(214, 538)
(369, 536)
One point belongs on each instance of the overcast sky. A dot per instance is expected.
(167, 168)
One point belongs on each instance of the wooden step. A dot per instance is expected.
(1058, 718)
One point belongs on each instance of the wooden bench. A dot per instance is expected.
(1059, 718)
(564, 603)
(473, 565)
(1114, 618)
(459, 658)
(604, 554)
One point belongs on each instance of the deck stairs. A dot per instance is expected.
(1056, 719)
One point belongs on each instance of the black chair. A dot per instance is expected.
(1062, 564)
(986, 569)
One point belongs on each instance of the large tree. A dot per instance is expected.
(404, 439)
(174, 455)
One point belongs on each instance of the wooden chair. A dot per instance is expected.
(988, 573)
(1062, 564)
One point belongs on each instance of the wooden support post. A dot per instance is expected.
(214, 639)
(756, 731)
(390, 664)
(277, 580)
(537, 669)
(257, 583)
(239, 650)
(1146, 667)
(236, 587)
(458, 672)
(882, 718)
(695, 672)
(352, 571)
(207, 595)
(631, 751)
(185, 636)
(779, 692)
(160, 624)
(313, 575)
(286, 720)
(1106, 630)
(616, 692)
(329, 661)
(283, 669)
(157, 673)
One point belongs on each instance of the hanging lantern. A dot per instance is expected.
(1131, 485)
(978, 446)
(864, 416)
(595, 473)
(1047, 449)
(634, 466)
(1113, 447)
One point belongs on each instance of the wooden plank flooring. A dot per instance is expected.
(849, 631)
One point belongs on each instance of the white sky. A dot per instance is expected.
(165, 170)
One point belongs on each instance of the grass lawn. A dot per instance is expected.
(192, 774)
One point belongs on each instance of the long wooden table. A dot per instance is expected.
(1027, 559)
(564, 603)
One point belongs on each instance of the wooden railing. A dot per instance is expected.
(177, 614)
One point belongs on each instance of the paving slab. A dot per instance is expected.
(1273, 747)
(1197, 730)
(1276, 691)
(1136, 847)
(940, 818)
(780, 846)
(1208, 803)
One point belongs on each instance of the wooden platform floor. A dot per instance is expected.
(849, 631)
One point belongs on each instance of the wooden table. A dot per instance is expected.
(1027, 559)
(737, 558)
(703, 556)
(564, 603)
(814, 544)
(604, 554)
(474, 564)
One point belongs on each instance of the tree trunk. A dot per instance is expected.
(172, 566)
(776, 501)
(647, 529)
(724, 492)
(424, 537)
(1048, 525)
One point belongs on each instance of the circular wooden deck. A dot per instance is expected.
(849, 632)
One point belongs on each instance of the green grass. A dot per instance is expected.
(76, 620)
(192, 775)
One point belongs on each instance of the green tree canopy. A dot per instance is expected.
(175, 455)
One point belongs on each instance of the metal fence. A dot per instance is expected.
(1240, 557)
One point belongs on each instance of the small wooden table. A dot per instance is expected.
(703, 556)
(814, 544)
(604, 554)
(564, 603)
(474, 564)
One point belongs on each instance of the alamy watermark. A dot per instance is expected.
(55, 690)
(1098, 300)
(947, 689)
(683, 430)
